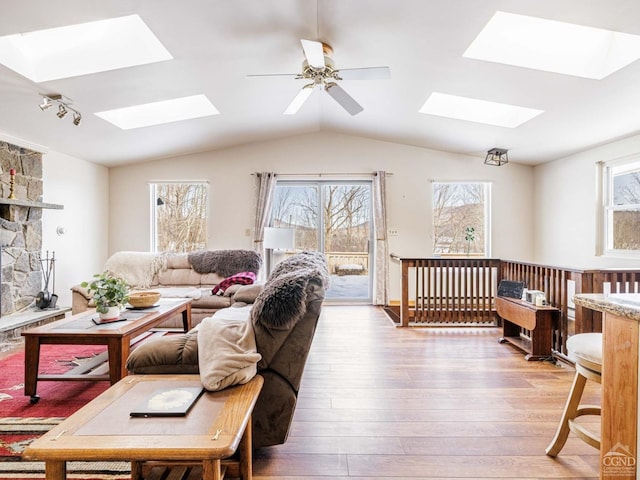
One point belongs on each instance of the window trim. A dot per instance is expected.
(605, 173)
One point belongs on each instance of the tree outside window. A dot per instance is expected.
(345, 215)
(460, 218)
(622, 207)
(179, 217)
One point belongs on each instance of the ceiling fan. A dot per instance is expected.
(318, 67)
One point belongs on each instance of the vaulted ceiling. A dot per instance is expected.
(217, 44)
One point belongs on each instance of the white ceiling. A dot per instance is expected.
(217, 43)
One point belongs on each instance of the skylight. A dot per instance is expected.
(81, 49)
(156, 113)
(554, 46)
(474, 110)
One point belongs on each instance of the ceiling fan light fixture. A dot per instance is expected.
(496, 157)
(319, 68)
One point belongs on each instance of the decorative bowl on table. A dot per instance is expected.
(143, 299)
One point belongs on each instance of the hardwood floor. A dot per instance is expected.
(380, 402)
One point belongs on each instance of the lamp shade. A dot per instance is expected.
(279, 238)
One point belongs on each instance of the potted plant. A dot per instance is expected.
(110, 294)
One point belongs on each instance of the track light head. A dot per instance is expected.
(76, 118)
(62, 111)
(46, 103)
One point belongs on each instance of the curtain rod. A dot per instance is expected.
(325, 174)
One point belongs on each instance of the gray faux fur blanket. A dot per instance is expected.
(225, 262)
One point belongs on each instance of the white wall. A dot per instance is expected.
(82, 188)
(566, 208)
(232, 195)
(561, 194)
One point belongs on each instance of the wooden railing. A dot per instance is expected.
(560, 284)
(448, 291)
(443, 291)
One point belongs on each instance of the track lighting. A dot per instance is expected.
(64, 106)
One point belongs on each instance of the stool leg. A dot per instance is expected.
(569, 413)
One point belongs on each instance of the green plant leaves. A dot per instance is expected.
(108, 291)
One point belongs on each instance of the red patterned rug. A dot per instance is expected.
(21, 421)
(57, 399)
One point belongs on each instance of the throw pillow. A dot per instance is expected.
(248, 293)
(232, 289)
(242, 278)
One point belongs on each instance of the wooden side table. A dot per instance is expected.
(540, 321)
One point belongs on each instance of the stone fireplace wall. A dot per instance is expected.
(20, 228)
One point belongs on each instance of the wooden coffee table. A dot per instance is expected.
(80, 329)
(213, 430)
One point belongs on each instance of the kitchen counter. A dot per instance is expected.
(623, 304)
(619, 443)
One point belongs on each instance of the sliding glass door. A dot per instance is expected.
(333, 218)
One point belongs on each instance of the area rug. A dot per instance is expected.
(57, 399)
(17, 433)
(21, 421)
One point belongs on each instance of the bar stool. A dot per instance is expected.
(586, 350)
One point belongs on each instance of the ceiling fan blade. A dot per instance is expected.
(343, 98)
(313, 53)
(272, 75)
(299, 99)
(367, 73)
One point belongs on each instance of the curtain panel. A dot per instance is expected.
(265, 186)
(381, 248)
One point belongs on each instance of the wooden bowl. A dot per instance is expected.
(143, 299)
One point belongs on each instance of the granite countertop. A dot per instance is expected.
(622, 304)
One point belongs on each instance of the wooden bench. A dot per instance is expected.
(516, 315)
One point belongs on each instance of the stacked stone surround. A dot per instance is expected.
(20, 229)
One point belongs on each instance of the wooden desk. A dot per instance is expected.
(80, 329)
(619, 443)
(218, 424)
(517, 314)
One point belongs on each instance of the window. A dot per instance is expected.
(621, 216)
(179, 217)
(461, 218)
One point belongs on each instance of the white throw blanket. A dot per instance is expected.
(136, 268)
(227, 352)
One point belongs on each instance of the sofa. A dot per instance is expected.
(283, 318)
(193, 275)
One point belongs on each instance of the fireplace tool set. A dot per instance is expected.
(44, 299)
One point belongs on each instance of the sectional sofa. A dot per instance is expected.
(191, 275)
